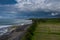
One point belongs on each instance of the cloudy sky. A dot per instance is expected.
(10, 8)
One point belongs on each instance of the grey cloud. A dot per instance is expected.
(38, 4)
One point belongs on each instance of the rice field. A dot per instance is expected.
(47, 31)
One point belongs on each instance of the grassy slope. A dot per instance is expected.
(47, 31)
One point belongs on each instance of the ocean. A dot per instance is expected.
(7, 23)
(10, 22)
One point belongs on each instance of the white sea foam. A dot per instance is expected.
(3, 26)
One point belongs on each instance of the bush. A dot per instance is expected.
(30, 31)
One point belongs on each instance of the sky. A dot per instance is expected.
(11, 8)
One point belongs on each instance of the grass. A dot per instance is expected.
(47, 31)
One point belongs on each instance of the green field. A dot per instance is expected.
(43, 29)
(47, 31)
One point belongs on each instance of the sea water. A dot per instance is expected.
(6, 23)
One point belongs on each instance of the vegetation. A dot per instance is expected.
(30, 31)
(44, 29)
